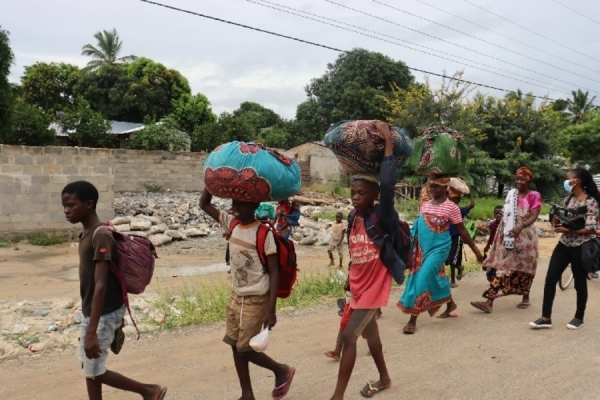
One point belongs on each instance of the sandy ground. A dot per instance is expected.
(474, 356)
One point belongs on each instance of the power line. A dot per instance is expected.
(531, 31)
(576, 12)
(329, 47)
(506, 36)
(405, 41)
(485, 41)
(455, 44)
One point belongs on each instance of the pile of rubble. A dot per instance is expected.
(34, 326)
(164, 218)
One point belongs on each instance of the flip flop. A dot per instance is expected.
(331, 355)
(409, 330)
(523, 306)
(286, 386)
(163, 393)
(479, 305)
(453, 285)
(370, 390)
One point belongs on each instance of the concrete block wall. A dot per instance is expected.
(174, 171)
(31, 179)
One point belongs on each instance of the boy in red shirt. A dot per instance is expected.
(368, 280)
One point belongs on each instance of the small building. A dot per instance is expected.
(304, 151)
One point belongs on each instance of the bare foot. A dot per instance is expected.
(450, 311)
(334, 355)
(155, 392)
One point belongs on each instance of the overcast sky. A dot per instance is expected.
(230, 64)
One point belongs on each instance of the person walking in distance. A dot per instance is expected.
(338, 231)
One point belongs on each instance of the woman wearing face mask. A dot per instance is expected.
(583, 193)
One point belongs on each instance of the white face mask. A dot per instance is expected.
(567, 186)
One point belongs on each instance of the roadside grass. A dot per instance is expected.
(206, 303)
(43, 239)
(4, 243)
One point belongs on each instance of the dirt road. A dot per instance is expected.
(474, 356)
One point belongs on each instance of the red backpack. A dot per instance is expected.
(135, 264)
(286, 252)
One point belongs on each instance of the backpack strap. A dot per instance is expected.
(261, 239)
(233, 224)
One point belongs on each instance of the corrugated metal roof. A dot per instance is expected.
(116, 128)
(120, 127)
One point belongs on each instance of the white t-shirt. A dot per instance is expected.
(248, 275)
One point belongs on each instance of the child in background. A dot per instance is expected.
(338, 231)
(493, 228)
(454, 259)
(289, 221)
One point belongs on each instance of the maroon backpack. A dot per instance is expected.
(134, 266)
(286, 254)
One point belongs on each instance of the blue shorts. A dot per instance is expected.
(107, 326)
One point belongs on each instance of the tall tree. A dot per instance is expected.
(86, 128)
(518, 133)
(29, 126)
(106, 51)
(50, 86)
(6, 90)
(132, 92)
(580, 105)
(353, 87)
(191, 111)
(583, 141)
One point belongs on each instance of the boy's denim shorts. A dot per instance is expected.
(107, 326)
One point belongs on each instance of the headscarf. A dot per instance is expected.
(442, 180)
(366, 177)
(526, 172)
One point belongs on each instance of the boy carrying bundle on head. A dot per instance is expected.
(252, 304)
(369, 280)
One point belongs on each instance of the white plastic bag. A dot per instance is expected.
(260, 342)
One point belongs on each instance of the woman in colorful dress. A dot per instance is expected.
(513, 259)
(427, 287)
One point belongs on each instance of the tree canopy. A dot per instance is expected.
(355, 86)
(50, 86)
(6, 91)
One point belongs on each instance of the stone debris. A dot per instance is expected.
(34, 326)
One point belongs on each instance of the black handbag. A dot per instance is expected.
(590, 254)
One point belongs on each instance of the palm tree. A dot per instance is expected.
(109, 47)
(579, 105)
